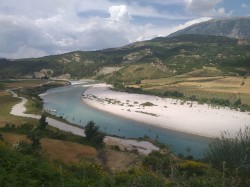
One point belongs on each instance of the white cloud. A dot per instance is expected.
(119, 13)
(152, 31)
(151, 12)
(36, 28)
(191, 22)
(205, 8)
(60, 32)
(245, 6)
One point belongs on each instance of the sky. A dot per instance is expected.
(35, 28)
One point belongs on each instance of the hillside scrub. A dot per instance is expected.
(231, 153)
(160, 168)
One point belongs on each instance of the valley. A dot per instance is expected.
(168, 111)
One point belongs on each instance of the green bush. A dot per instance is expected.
(157, 162)
(24, 148)
(26, 127)
(174, 94)
(42, 122)
(115, 147)
(237, 103)
(147, 104)
(222, 102)
(138, 177)
(93, 134)
(191, 167)
(234, 151)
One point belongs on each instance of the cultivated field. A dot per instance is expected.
(223, 87)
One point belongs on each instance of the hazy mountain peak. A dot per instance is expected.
(234, 27)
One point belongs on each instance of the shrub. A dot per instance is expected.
(222, 102)
(157, 162)
(115, 147)
(9, 126)
(26, 127)
(147, 104)
(42, 122)
(93, 134)
(193, 98)
(191, 167)
(237, 103)
(24, 147)
(235, 152)
(138, 177)
(173, 94)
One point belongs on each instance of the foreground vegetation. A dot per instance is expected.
(25, 163)
(31, 162)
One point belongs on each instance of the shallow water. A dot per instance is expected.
(67, 103)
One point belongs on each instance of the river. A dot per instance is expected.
(66, 102)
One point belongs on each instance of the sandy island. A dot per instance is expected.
(189, 117)
(143, 147)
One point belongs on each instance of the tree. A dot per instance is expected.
(93, 134)
(35, 142)
(35, 138)
(42, 122)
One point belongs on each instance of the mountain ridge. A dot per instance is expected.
(159, 57)
(236, 27)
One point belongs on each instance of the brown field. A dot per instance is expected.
(70, 152)
(11, 138)
(66, 151)
(120, 161)
(229, 87)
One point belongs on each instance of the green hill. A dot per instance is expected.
(157, 58)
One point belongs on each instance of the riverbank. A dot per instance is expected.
(19, 110)
(188, 117)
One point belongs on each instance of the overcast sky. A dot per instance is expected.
(34, 28)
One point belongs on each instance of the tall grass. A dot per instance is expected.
(233, 151)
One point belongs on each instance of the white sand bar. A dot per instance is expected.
(189, 117)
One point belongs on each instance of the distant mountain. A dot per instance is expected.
(192, 55)
(238, 27)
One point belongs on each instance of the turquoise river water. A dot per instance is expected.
(66, 102)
